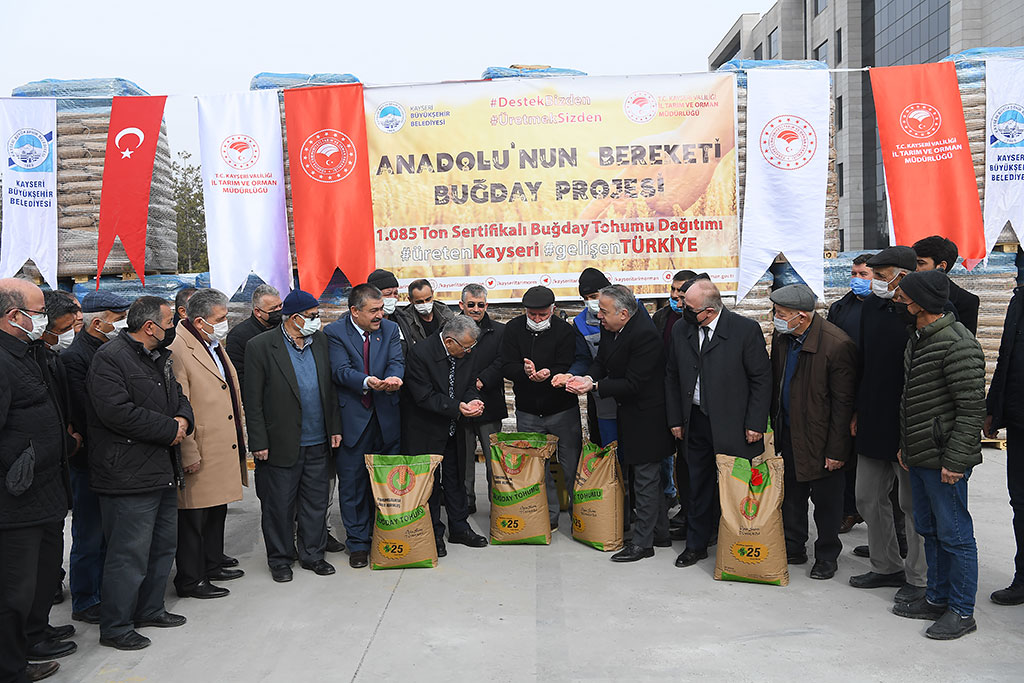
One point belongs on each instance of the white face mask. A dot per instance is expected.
(118, 326)
(782, 325)
(220, 331)
(64, 340)
(881, 289)
(538, 326)
(390, 303)
(593, 305)
(38, 326)
(424, 309)
(309, 326)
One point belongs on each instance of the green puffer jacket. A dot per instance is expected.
(943, 404)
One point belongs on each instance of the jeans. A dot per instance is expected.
(609, 431)
(668, 483)
(88, 547)
(941, 517)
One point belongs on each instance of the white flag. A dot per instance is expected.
(28, 133)
(243, 190)
(1004, 148)
(787, 175)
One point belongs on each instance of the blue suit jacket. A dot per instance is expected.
(346, 353)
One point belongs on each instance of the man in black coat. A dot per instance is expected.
(441, 383)
(629, 366)
(717, 394)
(486, 361)
(1005, 408)
(266, 315)
(139, 417)
(940, 253)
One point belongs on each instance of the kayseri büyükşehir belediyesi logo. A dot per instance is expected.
(1008, 126)
(328, 156)
(390, 117)
(30, 150)
(240, 152)
(920, 120)
(788, 142)
(640, 106)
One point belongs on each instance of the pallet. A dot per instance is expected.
(994, 443)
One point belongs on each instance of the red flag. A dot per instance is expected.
(927, 159)
(330, 173)
(127, 176)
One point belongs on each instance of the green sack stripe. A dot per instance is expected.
(506, 498)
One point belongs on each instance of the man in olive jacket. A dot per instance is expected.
(941, 415)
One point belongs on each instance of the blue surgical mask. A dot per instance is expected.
(860, 286)
(782, 325)
(675, 305)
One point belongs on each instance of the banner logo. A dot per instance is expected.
(1008, 125)
(920, 120)
(28, 149)
(512, 463)
(640, 106)
(127, 151)
(401, 480)
(328, 156)
(240, 152)
(389, 117)
(788, 142)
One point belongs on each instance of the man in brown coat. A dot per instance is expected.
(814, 370)
(213, 455)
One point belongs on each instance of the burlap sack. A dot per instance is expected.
(403, 534)
(597, 498)
(519, 500)
(751, 541)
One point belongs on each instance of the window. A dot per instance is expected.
(821, 52)
(759, 52)
(819, 5)
(839, 46)
(773, 44)
(839, 113)
(839, 178)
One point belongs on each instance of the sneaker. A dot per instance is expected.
(951, 626)
(919, 609)
(1011, 595)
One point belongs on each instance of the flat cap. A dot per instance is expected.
(298, 301)
(799, 297)
(538, 297)
(899, 256)
(94, 302)
(382, 279)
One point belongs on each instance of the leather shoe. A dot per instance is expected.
(849, 521)
(910, 593)
(919, 609)
(951, 626)
(862, 551)
(204, 590)
(164, 620)
(50, 649)
(689, 557)
(796, 559)
(1011, 595)
(320, 567)
(281, 574)
(442, 551)
(358, 559)
(663, 542)
(677, 533)
(130, 640)
(229, 562)
(90, 615)
(632, 553)
(222, 574)
(58, 632)
(678, 521)
(823, 569)
(37, 672)
(468, 538)
(334, 545)
(876, 580)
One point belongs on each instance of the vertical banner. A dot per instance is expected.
(927, 160)
(28, 133)
(330, 177)
(1004, 148)
(787, 175)
(127, 178)
(243, 189)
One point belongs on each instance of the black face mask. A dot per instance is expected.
(901, 308)
(169, 334)
(690, 316)
(274, 318)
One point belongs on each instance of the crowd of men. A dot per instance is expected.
(139, 415)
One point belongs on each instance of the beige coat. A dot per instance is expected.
(213, 443)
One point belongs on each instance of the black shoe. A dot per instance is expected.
(164, 620)
(671, 502)
(688, 557)
(90, 615)
(951, 626)
(472, 508)
(632, 553)
(862, 551)
(229, 562)
(58, 597)
(796, 558)
(50, 649)
(910, 593)
(222, 574)
(131, 640)
(204, 590)
(678, 521)
(281, 574)
(358, 559)
(677, 533)
(919, 609)
(320, 567)
(663, 542)
(876, 580)
(442, 551)
(37, 672)
(58, 632)
(1011, 595)
(468, 538)
(334, 545)
(823, 569)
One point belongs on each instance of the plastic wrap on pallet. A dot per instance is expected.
(970, 64)
(740, 66)
(165, 286)
(84, 95)
(493, 72)
(268, 80)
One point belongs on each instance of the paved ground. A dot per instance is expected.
(561, 613)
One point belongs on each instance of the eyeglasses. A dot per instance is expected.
(475, 304)
(29, 312)
(273, 310)
(464, 348)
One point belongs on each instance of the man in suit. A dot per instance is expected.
(442, 393)
(293, 422)
(266, 315)
(628, 369)
(367, 368)
(718, 393)
(940, 253)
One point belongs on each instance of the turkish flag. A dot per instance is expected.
(330, 174)
(127, 177)
(927, 159)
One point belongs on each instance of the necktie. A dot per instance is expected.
(705, 334)
(367, 398)
(451, 391)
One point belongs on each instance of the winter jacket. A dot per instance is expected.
(554, 349)
(1006, 394)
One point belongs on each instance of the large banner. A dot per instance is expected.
(1004, 148)
(514, 183)
(28, 133)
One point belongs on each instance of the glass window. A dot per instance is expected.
(819, 5)
(821, 52)
(839, 112)
(839, 45)
(759, 52)
(839, 178)
(773, 44)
